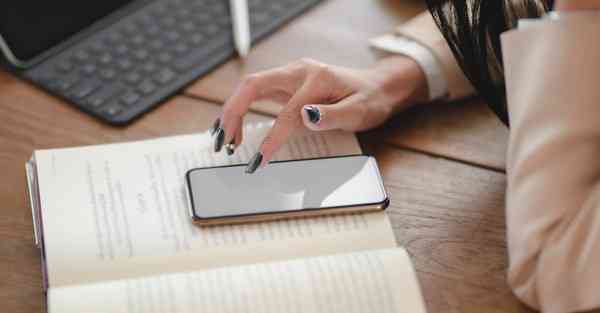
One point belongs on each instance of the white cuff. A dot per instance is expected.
(434, 74)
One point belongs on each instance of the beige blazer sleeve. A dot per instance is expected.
(423, 29)
(553, 198)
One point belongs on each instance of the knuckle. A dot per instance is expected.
(251, 81)
(307, 62)
(321, 72)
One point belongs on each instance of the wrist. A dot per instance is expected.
(402, 81)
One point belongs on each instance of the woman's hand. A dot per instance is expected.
(320, 97)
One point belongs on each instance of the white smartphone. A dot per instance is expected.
(285, 189)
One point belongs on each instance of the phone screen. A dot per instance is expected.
(285, 186)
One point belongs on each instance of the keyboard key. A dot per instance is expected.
(169, 21)
(188, 26)
(157, 44)
(224, 22)
(88, 69)
(259, 18)
(184, 13)
(141, 54)
(165, 57)
(150, 68)
(165, 76)
(96, 47)
(197, 39)
(102, 95)
(159, 11)
(44, 78)
(181, 48)
(81, 56)
(106, 59)
(133, 78)
(130, 98)
(145, 20)
(147, 87)
(113, 38)
(122, 49)
(211, 29)
(218, 8)
(138, 40)
(112, 110)
(253, 4)
(130, 29)
(174, 4)
(83, 90)
(94, 102)
(203, 17)
(62, 84)
(277, 7)
(108, 73)
(172, 35)
(153, 30)
(64, 67)
(125, 64)
(196, 57)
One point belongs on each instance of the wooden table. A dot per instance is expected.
(443, 164)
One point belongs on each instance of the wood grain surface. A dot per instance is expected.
(466, 131)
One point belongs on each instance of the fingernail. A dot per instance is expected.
(314, 115)
(219, 139)
(254, 163)
(215, 127)
(230, 148)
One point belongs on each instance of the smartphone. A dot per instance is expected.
(285, 189)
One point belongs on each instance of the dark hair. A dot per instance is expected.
(472, 29)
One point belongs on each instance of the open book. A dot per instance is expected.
(112, 222)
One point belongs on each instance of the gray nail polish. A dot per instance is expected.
(219, 139)
(215, 127)
(254, 163)
(314, 115)
(230, 148)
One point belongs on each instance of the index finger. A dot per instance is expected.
(287, 121)
(254, 87)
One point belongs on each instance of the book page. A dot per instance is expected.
(120, 210)
(381, 281)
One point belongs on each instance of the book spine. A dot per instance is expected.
(34, 203)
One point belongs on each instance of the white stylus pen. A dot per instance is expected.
(241, 26)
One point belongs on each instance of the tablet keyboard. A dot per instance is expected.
(131, 66)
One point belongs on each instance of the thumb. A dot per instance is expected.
(347, 114)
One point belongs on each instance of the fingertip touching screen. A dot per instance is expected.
(285, 186)
(30, 27)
